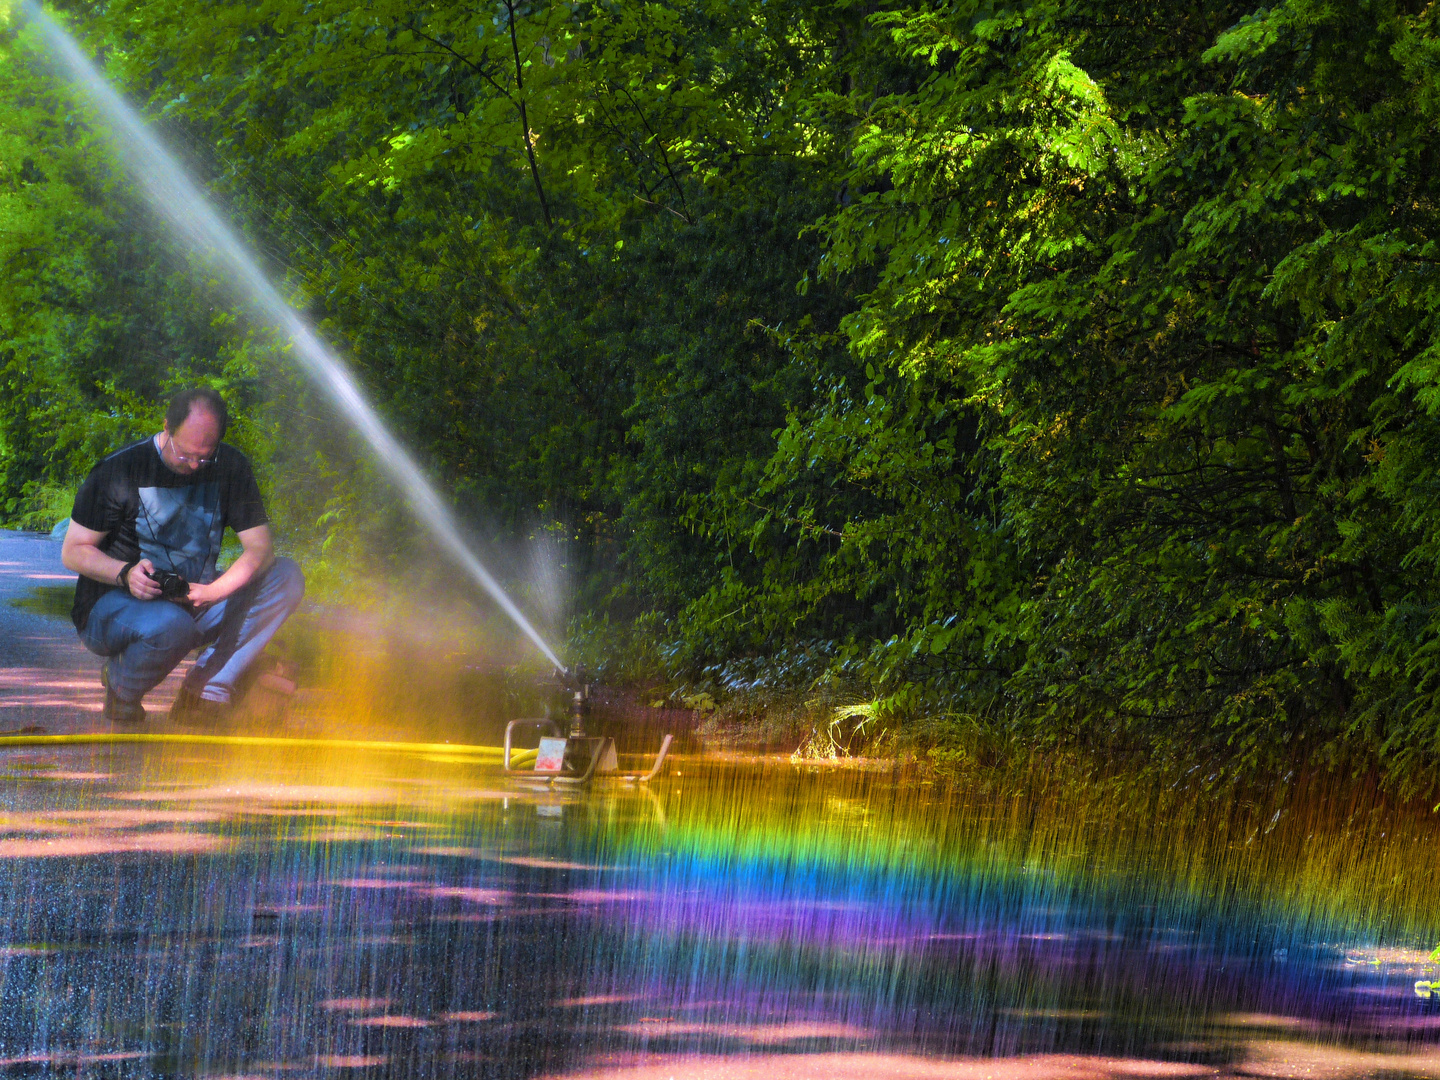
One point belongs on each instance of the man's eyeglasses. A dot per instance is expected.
(185, 459)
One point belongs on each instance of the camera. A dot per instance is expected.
(173, 586)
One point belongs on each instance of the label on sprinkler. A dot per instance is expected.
(551, 756)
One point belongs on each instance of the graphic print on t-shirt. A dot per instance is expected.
(179, 528)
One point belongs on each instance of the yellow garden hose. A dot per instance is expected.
(101, 738)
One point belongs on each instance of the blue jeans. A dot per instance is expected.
(145, 639)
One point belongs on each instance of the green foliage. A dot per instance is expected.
(1184, 284)
(1066, 374)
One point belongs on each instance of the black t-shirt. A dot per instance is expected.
(148, 511)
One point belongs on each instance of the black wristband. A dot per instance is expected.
(123, 578)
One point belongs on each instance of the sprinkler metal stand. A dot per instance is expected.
(576, 758)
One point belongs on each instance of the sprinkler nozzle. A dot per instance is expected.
(574, 681)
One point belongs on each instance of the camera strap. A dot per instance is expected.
(150, 524)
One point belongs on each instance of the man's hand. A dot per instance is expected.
(257, 553)
(81, 553)
(142, 585)
(202, 596)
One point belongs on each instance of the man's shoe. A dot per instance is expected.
(191, 708)
(185, 707)
(116, 710)
(122, 712)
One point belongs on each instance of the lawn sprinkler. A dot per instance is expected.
(575, 757)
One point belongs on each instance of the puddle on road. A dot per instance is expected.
(225, 911)
(53, 600)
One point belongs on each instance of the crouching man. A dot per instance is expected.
(151, 515)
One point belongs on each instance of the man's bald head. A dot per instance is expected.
(196, 398)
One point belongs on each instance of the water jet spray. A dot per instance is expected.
(179, 200)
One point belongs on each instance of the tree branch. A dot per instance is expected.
(519, 100)
(468, 63)
(662, 206)
(664, 157)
